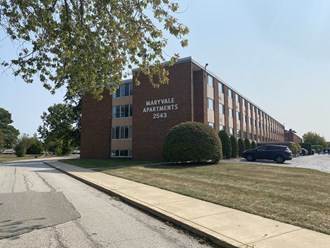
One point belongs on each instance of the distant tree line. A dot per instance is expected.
(9, 137)
(28, 145)
(315, 141)
(58, 134)
(313, 138)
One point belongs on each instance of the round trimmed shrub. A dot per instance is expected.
(226, 146)
(192, 142)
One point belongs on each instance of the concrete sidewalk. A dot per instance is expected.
(225, 226)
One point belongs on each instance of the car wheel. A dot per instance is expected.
(279, 159)
(250, 158)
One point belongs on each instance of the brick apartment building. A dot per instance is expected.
(134, 121)
(291, 136)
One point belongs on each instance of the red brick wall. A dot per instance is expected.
(199, 100)
(148, 133)
(187, 85)
(96, 127)
(292, 137)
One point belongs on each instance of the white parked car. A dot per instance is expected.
(8, 151)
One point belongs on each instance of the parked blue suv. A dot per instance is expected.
(277, 153)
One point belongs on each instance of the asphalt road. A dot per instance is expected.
(41, 207)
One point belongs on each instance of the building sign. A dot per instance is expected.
(160, 107)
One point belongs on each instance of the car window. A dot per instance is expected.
(261, 148)
(267, 148)
(274, 148)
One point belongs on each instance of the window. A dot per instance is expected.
(230, 113)
(274, 148)
(221, 109)
(238, 115)
(121, 153)
(116, 94)
(230, 95)
(211, 124)
(125, 89)
(210, 80)
(122, 132)
(221, 88)
(122, 111)
(115, 153)
(115, 132)
(236, 98)
(116, 111)
(210, 104)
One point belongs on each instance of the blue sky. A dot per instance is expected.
(276, 53)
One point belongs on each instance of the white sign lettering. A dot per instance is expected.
(160, 107)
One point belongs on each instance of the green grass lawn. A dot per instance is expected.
(292, 195)
(4, 158)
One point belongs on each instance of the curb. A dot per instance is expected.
(153, 212)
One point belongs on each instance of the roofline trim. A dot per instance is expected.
(228, 86)
(190, 59)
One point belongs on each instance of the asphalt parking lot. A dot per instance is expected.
(317, 162)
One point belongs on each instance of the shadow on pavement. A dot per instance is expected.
(26, 211)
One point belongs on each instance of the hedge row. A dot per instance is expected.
(193, 142)
(231, 147)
